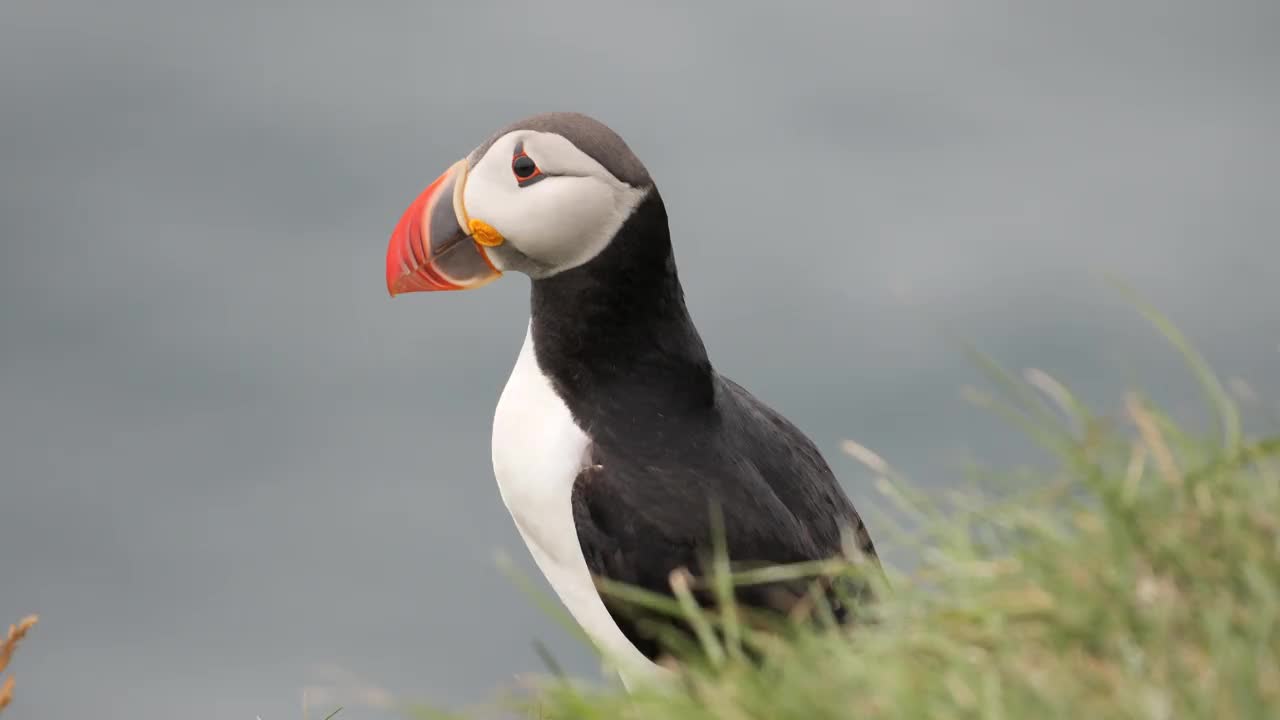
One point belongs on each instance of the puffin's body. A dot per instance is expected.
(614, 437)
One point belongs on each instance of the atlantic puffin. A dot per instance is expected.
(614, 437)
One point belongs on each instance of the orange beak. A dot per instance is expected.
(432, 247)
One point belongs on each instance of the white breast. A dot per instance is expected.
(538, 451)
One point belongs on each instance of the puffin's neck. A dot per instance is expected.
(614, 334)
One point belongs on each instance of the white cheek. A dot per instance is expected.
(561, 221)
(489, 199)
(568, 222)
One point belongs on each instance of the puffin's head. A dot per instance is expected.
(542, 195)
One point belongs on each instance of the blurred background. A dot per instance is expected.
(232, 468)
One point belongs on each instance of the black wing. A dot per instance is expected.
(640, 518)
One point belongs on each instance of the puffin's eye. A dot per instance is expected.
(525, 169)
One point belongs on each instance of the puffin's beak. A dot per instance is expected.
(436, 246)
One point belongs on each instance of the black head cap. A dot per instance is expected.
(589, 135)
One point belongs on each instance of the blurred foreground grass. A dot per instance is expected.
(8, 645)
(1139, 577)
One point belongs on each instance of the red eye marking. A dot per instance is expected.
(524, 168)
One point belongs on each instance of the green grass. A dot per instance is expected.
(1137, 577)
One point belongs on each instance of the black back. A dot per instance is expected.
(670, 436)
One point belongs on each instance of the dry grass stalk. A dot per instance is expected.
(16, 634)
(1154, 440)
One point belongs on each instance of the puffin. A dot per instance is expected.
(617, 446)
